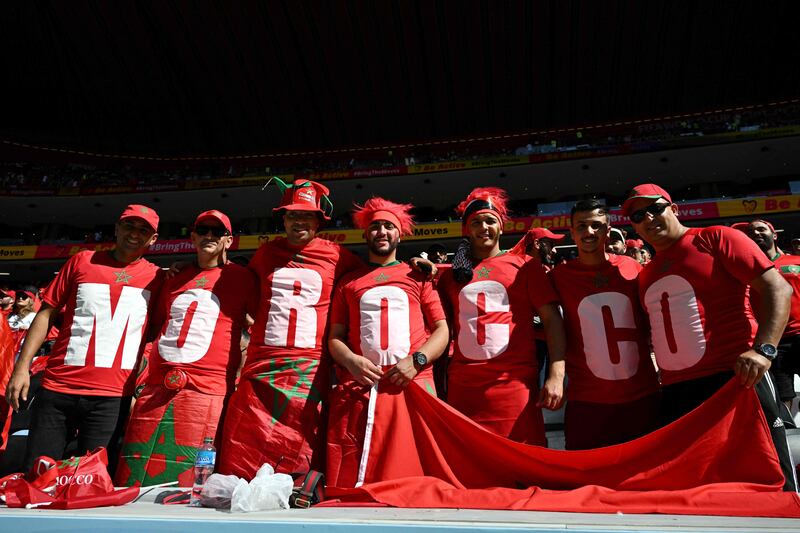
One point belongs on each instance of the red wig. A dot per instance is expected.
(377, 208)
(484, 200)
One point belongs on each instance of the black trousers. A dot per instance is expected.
(680, 398)
(59, 418)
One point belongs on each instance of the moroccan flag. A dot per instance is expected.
(719, 459)
(275, 417)
(165, 429)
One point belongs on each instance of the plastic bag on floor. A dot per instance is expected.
(267, 491)
(218, 490)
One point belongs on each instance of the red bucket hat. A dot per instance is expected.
(304, 195)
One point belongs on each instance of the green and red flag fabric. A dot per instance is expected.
(275, 418)
(163, 434)
(717, 460)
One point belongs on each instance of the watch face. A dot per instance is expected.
(768, 350)
(420, 359)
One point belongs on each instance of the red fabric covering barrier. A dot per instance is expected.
(717, 460)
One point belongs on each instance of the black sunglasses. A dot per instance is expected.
(216, 231)
(653, 209)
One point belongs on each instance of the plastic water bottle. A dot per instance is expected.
(203, 468)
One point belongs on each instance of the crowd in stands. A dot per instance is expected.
(17, 176)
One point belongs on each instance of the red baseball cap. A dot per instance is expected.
(5, 291)
(646, 190)
(213, 214)
(544, 233)
(148, 214)
(634, 243)
(304, 195)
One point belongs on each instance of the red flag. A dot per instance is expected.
(719, 459)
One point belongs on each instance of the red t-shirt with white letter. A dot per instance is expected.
(608, 348)
(296, 286)
(200, 316)
(105, 306)
(695, 293)
(388, 312)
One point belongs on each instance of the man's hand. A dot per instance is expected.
(425, 266)
(403, 372)
(175, 268)
(751, 367)
(551, 394)
(17, 388)
(363, 370)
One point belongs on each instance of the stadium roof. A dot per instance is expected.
(170, 77)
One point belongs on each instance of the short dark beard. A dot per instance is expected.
(383, 253)
(767, 245)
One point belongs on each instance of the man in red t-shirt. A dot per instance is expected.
(612, 391)
(274, 415)
(787, 364)
(89, 376)
(387, 326)
(198, 320)
(492, 298)
(702, 327)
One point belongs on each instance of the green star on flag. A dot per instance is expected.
(380, 278)
(302, 388)
(790, 269)
(177, 458)
(484, 272)
(201, 282)
(122, 277)
(71, 462)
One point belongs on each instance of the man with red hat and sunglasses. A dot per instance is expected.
(89, 377)
(491, 297)
(702, 327)
(198, 322)
(612, 394)
(274, 415)
(387, 327)
(787, 363)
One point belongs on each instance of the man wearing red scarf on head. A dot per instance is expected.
(274, 415)
(492, 297)
(381, 317)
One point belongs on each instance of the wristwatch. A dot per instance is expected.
(767, 350)
(420, 359)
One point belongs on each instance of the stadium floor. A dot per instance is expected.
(145, 516)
